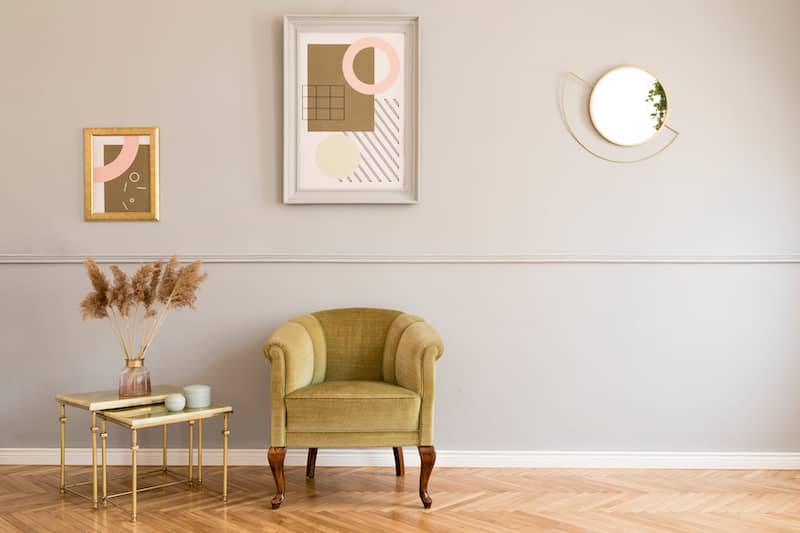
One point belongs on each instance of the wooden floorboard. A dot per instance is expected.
(464, 499)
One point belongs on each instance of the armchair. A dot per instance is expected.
(352, 378)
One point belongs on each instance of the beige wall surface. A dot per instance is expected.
(560, 356)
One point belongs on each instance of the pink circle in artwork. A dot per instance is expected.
(350, 56)
(123, 161)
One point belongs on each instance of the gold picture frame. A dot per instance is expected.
(120, 174)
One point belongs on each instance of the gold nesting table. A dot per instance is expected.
(149, 416)
(135, 414)
(95, 402)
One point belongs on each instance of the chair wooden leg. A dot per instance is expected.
(275, 456)
(427, 455)
(311, 463)
(399, 466)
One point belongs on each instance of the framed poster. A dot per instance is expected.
(120, 173)
(351, 101)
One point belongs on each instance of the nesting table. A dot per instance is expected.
(95, 402)
(135, 414)
(136, 418)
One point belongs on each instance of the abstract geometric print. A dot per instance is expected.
(121, 174)
(351, 134)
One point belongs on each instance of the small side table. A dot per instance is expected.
(101, 401)
(137, 418)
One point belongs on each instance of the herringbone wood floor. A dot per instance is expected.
(464, 499)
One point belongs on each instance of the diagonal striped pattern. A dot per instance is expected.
(464, 499)
(380, 149)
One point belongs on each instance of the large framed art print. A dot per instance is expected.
(351, 103)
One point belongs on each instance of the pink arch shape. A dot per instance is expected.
(130, 147)
(350, 75)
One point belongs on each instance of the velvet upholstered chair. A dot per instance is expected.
(352, 378)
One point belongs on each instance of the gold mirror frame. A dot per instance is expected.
(571, 75)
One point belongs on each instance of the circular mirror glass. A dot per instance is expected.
(628, 106)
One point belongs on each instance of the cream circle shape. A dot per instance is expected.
(337, 156)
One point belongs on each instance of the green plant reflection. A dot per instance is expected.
(659, 99)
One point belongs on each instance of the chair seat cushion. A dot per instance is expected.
(352, 406)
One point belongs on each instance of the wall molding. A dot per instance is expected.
(445, 458)
(448, 258)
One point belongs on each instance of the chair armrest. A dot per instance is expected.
(291, 356)
(419, 348)
(417, 352)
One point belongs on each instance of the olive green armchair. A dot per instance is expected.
(352, 378)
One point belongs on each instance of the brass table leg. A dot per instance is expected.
(164, 451)
(94, 459)
(104, 447)
(191, 446)
(134, 447)
(62, 421)
(200, 452)
(225, 433)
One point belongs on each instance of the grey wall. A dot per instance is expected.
(538, 356)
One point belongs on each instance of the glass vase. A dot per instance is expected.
(134, 379)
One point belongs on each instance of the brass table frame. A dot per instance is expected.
(144, 417)
(95, 402)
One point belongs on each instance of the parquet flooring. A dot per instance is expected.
(464, 499)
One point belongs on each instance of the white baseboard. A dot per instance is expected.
(445, 458)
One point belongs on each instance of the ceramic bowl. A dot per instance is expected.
(175, 402)
(197, 396)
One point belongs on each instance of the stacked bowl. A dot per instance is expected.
(197, 396)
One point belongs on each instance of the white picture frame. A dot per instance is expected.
(384, 168)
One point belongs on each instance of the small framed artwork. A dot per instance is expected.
(351, 102)
(120, 173)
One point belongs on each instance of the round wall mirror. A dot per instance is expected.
(628, 106)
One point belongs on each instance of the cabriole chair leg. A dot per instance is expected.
(275, 456)
(427, 455)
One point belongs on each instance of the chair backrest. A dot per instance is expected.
(355, 340)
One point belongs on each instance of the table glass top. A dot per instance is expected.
(157, 415)
(102, 400)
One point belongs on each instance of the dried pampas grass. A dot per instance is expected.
(121, 293)
(155, 278)
(138, 305)
(99, 282)
(188, 279)
(168, 279)
(140, 282)
(94, 306)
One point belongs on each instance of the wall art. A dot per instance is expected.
(120, 173)
(351, 104)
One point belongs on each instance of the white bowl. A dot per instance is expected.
(197, 396)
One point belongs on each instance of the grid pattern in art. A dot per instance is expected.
(323, 102)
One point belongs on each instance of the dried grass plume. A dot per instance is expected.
(138, 305)
(188, 280)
